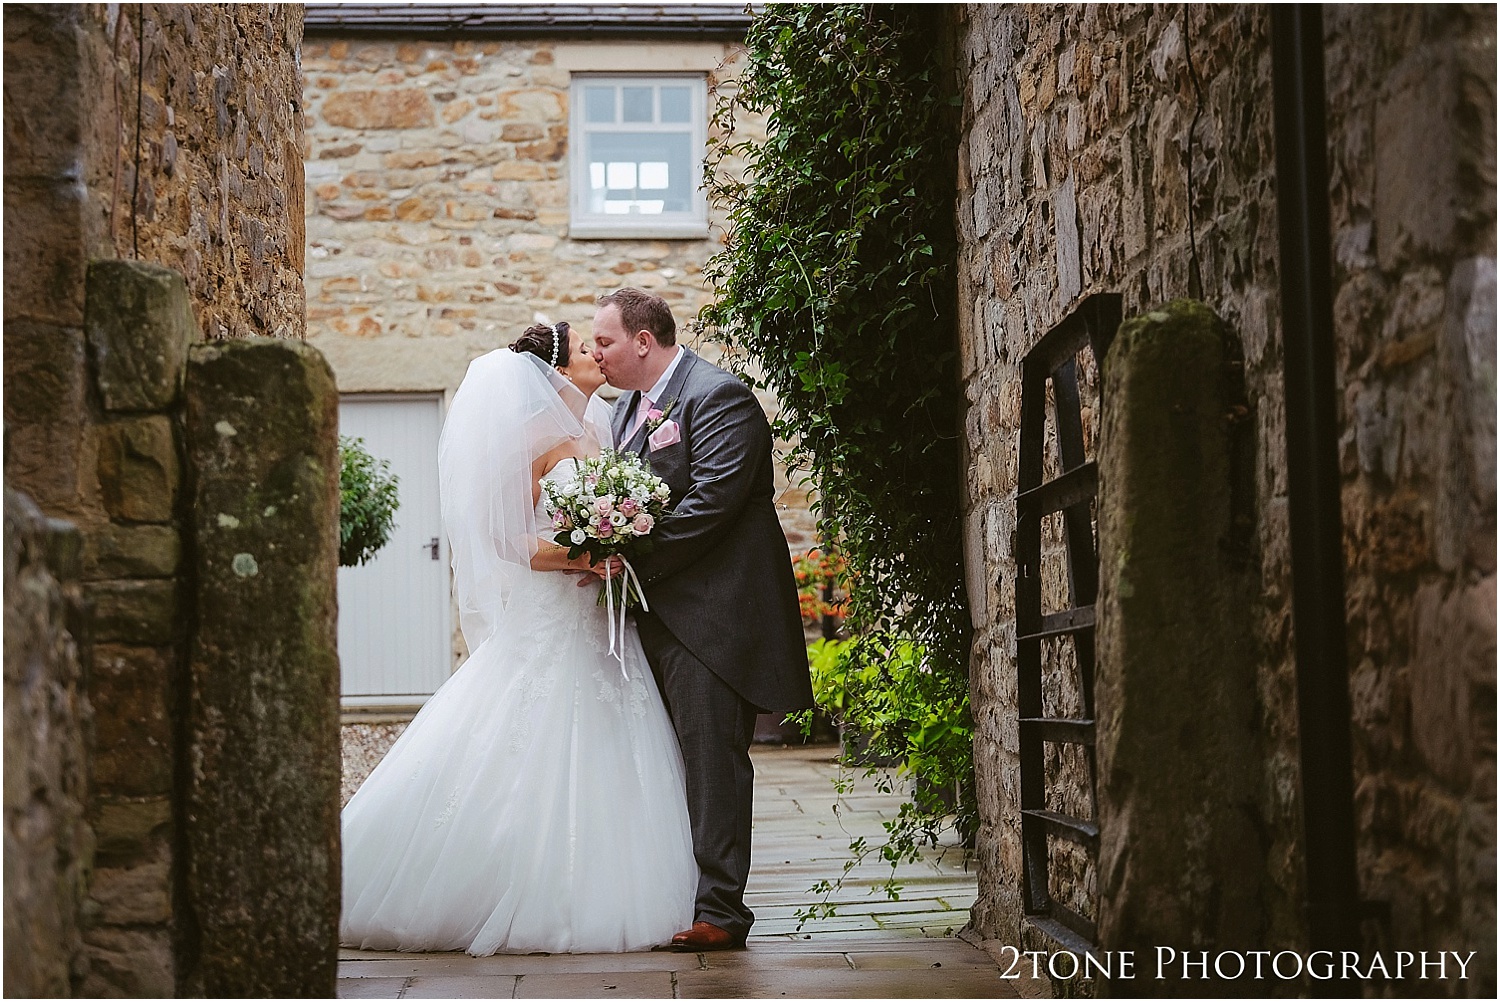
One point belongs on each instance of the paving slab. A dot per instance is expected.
(370, 988)
(897, 984)
(627, 985)
(442, 964)
(480, 986)
(873, 947)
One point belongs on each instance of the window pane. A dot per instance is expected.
(644, 173)
(654, 174)
(599, 104)
(676, 104)
(622, 175)
(637, 104)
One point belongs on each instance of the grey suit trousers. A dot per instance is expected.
(715, 726)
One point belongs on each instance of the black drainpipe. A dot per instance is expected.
(1323, 715)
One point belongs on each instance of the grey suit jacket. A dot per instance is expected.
(719, 574)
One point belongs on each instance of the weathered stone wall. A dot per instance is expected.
(48, 843)
(138, 323)
(1074, 178)
(163, 133)
(262, 876)
(437, 203)
(1175, 616)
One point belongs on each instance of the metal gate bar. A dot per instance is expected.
(1053, 359)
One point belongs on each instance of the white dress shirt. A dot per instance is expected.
(666, 377)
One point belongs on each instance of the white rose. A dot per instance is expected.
(663, 491)
(578, 536)
(617, 519)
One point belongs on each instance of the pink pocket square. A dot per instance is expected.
(665, 435)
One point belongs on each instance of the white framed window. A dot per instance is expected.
(637, 148)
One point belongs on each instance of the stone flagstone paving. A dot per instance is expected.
(873, 948)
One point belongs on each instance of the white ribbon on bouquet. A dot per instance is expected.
(609, 598)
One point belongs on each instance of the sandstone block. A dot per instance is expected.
(133, 751)
(520, 132)
(396, 108)
(1452, 676)
(415, 210)
(512, 170)
(139, 473)
(45, 380)
(134, 612)
(550, 149)
(1415, 164)
(139, 320)
(506, 212)
(134, 895)
(532, 105)
(263, 727)
(129, 963)
(131, 551)
(48, 844)
(44, 256)
(127, 830)
(1179, 764)
(45, 387)
(343, 213)
(416, 159)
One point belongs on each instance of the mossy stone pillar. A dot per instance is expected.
(1181, 857)
(263, 875)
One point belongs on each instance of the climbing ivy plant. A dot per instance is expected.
(837, 282)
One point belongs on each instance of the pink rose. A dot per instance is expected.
(654, 415)
(643, 524)
(606, 529)
(628, 507)
(604, 506)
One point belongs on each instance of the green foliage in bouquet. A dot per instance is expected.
(367, 503)
(838, 282)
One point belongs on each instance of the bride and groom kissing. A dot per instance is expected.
(548, 798)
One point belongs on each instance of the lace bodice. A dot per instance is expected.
(564, 469)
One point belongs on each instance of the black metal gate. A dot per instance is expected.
(1054, 359)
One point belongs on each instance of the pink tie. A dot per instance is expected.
(642, 409)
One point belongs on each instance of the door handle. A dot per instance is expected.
(433, 546)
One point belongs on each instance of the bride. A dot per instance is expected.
(536, 802)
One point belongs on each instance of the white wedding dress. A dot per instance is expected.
(535, 804)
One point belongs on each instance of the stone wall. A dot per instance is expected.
(170, 134)
(437, 201)
(48, 843)
(1077, 175)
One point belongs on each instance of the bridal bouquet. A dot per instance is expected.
(608, 508)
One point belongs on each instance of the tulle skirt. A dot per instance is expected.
(535, 803)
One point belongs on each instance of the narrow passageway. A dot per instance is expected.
(872, 948)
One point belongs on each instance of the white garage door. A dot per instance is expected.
(394, 611)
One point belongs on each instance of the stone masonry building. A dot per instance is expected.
(1129, 149)
(471, 169)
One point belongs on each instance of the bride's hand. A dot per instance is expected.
(611, 567)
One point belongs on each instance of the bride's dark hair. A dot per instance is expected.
(551, 345)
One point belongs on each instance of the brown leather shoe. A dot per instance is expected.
(705, 936)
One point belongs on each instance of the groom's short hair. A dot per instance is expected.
(641, 311)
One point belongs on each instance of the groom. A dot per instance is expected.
(724, 634)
